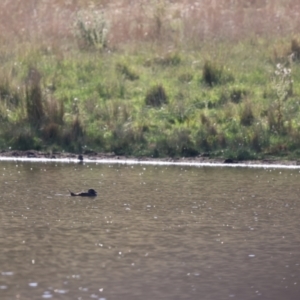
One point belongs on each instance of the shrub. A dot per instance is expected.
(246, 115)
(272, 120)
(34, 98)
(51, 132)
(237, 94)
(91, 29)
(295, 48)
(54, 110)
(77, 130)
(24, 139)
(8, 93)
(259, 139)
(4, 88)
(207, 138)
(282, 84)
(180, 141)
(156, 96)
(126, 139)
(204, 120)
(245, 154)
(72, 136)
(212, 74)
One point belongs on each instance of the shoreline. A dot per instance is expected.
(95, 156)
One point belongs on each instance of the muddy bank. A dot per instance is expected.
(112, 156)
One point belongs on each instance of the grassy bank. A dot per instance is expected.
(158, 79)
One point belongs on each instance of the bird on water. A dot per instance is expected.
(89, 193)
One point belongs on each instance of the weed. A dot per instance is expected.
(91, 29)
(159, 17)
(282, 83)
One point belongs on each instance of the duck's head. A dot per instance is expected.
(92, 192)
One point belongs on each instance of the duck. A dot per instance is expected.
(89, 193)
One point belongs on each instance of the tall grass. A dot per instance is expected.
(118, 22)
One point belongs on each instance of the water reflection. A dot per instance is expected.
(153, 232)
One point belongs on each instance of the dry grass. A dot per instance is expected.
(52, 22)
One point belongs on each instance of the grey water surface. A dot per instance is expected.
(153, 232)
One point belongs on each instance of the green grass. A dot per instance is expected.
(222, 98)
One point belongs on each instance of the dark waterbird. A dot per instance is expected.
(89, 193)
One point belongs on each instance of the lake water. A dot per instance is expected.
(153, 232)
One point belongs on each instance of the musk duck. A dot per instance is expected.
(89, 193)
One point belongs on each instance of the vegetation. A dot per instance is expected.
(157, 79)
